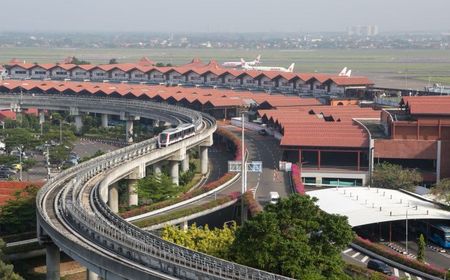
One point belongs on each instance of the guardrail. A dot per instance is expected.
(112, 233)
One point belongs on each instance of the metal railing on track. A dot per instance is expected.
(111, 232)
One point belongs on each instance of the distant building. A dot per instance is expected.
(363, 30)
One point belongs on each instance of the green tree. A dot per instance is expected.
(421, 250)
(294, 238)
(7, 270)
(392, 176)
(214, 242)
(155, 188)
(19, 214)
(159, 64)
(79, 62)
(113, 61)
(442, 190)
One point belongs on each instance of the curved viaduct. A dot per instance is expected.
(73, 214)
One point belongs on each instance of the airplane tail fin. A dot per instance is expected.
(349, 73)
(343, 72)
(243, 61)
(258, 58)
(291, 68)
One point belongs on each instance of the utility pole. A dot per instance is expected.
(243, 172)
(406, 233)
(20, 162)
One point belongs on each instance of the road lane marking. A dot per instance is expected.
(396, 272)
(356, 254)
(407, 275)
(348, 250)
(418, 278)
(365, 259)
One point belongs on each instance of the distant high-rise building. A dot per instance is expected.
(362, 30)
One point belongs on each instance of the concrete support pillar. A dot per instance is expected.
(185, 163)
(78, 123)
(174, 172)
(105, 120)
(157, 168)
(204, 159)
(132, 192)
(113, 198)
(52, 261)
(91, 275)
(129, 131)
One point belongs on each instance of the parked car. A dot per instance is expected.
(17, 154)
(379, 266)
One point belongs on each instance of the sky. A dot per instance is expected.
(223, 16)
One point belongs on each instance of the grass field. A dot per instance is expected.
(402, 68)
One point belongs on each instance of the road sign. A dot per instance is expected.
(285, 166)
(252, 166)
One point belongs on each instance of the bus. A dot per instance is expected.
(438, 233)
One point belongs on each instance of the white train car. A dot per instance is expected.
(174, 135)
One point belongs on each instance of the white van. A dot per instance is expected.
(274, 197)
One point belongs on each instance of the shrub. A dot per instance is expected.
(184, 212)
(297, 180)
(253, 205)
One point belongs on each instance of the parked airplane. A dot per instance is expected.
(257, 61)
(268, 68)
(345, 73)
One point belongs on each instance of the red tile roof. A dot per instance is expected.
(197, 66)
(216, 97)
(306, 126)
(9, 188)
(427, 105)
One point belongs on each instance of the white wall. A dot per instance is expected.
(14, 75)
(156, 76)
(137, 75)
(248, 81)
(194, 78)
(120, 75)
(175, 77)
(95, 74)
(39, 73)
(267, 83)
(79, 74)
(59, 73)
(231, 80)
(212, 79)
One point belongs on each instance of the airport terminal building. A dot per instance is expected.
(195, 73)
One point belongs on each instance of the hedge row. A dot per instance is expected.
(299, 187)
(187, 195)
(387, 253)
(233, 138)
(357, 272)
(185, 212)
(252, 204)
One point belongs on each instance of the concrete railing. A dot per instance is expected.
(106, 243)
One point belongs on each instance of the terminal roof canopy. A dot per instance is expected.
(365, 206)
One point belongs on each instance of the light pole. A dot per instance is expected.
(20, 148)
(243, 170)
(406, 233)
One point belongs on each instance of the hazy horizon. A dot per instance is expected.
(205, 16)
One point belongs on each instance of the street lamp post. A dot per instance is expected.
(20, 148)
(406, 233)
(243, 171)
